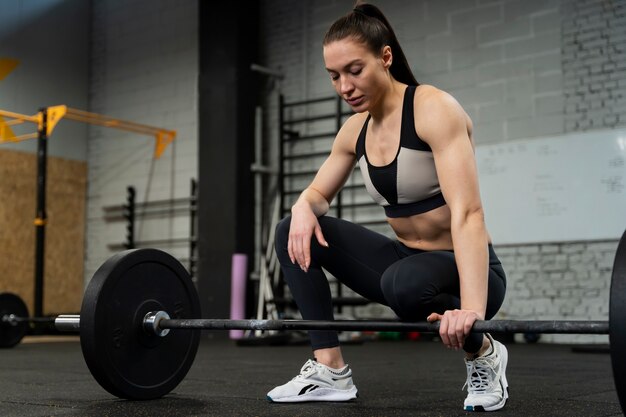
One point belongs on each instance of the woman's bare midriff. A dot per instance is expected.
(425, 231)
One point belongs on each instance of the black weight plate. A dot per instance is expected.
(122, 357)
(12, 334)
(617, 321)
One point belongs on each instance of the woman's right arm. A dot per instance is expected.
(315, 200)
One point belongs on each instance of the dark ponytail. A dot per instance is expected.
(367, 24)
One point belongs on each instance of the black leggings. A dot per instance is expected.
(413, 282)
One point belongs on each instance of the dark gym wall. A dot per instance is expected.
(44, 61)
(49, 42)
(227, 98)
(143, 68)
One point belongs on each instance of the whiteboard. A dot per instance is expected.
(555, 189)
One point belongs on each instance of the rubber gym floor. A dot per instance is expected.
(46, 376)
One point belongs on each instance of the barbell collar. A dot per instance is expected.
(494, 326)
(151, 323)
(11, 319)
(67, 323)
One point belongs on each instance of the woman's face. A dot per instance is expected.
(358, 75)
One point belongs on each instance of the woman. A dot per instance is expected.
(415, 150)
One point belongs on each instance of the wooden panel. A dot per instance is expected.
(66, 192)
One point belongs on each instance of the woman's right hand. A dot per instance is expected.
(304, 225)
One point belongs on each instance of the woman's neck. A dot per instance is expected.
(389, 101)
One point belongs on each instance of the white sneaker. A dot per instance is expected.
(316, 382)
(487, 387)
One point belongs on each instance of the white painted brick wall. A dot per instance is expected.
(144, 69)
(559, 281)
(511, 65)
(594, 64)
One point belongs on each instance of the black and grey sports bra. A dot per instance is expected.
(409, 184)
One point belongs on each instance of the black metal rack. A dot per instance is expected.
(290, 131)
(307, 129)
(193, 230)
(131, 210)
(129, 215)
(299, 124)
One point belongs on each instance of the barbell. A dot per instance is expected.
(138, 303)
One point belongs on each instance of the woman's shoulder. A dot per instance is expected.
(430, 99)
(350, 130)
(437, 109)
(427, 94)
(356, 120)
(353, 125)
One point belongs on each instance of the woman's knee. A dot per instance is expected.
(497, 292)
(387, 288)
(409, 291)
(318, 252)
(281, 239)
(402, 291)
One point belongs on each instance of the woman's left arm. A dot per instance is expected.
(447, 130)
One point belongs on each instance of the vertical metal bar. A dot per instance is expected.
(258, 188)
(193, 209)
(281, 154)
(617, 311)
(337, 128)
(339, 198)
(40, 219)
(129, 210)
(280, 286)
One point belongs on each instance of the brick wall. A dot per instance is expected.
(559, 281)
(144, 68)
(594, 64)
(518, 68)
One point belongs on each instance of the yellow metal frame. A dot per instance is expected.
(16, 119)
(162, 137)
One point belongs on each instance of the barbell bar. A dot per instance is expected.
(15, 320)
(12, 329)
(138, 303)
(155, 322)
(493, 326)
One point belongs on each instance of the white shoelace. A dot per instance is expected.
(307, 369)
(479, 376)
